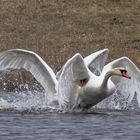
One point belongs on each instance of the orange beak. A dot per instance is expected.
(125, 74)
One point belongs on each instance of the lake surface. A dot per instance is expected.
(24, 116)
(105, 125)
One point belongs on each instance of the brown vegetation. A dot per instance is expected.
(57, 29)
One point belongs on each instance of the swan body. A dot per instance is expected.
(93, 93)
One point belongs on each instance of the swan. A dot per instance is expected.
(80, 87)
(29, 60)
(76, 77)
(20, 58)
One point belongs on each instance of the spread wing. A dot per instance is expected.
(96, 61)
(73, 71)
(19, 58)
(125, 88)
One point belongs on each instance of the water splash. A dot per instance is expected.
(118, 102)
(30, 101)
(35, 102)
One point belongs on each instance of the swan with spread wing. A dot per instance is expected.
(83, 84)
(20, 58)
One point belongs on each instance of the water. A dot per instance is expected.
(78, 126)
(29, 119)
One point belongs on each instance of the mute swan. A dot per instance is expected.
(79, 87)
(19, 58)
(74, 77)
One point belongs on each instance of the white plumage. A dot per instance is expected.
(82, 82)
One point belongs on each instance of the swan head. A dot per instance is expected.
(120, 71)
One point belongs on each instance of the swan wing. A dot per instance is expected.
(19, 58)
(73, 71)
(96, 61)
(126, 87)
(59, 73)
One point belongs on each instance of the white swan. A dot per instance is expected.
(76, 76)
(65, 79)
(19, 58)
(79, 87)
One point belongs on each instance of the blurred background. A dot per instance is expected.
(57, 29)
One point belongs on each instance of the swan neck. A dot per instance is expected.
(105, 80)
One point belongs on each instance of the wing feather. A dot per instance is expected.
(73, 71)
(96, 61)
(19, 58)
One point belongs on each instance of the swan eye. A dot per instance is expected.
(123, 71)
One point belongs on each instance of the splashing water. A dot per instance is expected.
(30, 101)
(35, 101)
(20, 91)
(118, 102)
